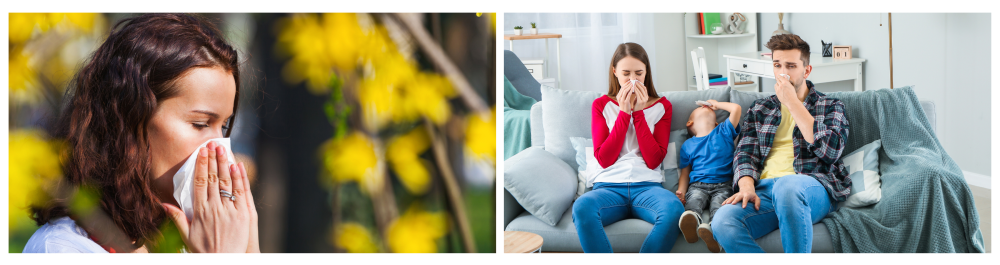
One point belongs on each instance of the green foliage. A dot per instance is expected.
(337, 109)
(170, 239)
(518, 27)
(532, 24)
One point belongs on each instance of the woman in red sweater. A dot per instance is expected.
(631, 131)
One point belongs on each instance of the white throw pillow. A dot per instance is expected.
(862, 168)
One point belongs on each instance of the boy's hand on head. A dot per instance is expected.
(714, 104)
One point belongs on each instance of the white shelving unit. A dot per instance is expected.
(717, 45)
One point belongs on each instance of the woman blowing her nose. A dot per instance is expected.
(158, 87)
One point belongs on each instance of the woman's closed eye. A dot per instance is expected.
(199, 125)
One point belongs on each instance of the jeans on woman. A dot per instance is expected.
(613, 202)
(793, 202)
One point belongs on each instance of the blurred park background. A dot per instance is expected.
(363, 132)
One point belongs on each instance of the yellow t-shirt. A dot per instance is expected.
(779, 160)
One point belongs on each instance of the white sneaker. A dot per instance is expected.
(705, 233)
(689, 225)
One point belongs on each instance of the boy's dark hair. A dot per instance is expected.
(786, 42)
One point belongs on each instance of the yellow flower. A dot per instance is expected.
(391, 88)
(354, 238)
(416, 231)
(23, 80)
(23, 25)
(353, 159)
(481, 135)
(302, 37)
(404, 152)
(34, 165)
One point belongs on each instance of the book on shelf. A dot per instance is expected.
(710, 76)
(713, 80)
(726, 83)
(707, 20)
(701, 24)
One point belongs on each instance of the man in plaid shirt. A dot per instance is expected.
(787, 162)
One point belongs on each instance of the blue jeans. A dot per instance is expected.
(613, 202)
(793, 202)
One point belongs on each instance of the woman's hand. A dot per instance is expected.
(746, 194)
(219, 224)
(641, 96)
(625, 97)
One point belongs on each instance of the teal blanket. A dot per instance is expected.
(516, 120)
(926, 204)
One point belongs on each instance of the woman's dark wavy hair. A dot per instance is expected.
(111, 102)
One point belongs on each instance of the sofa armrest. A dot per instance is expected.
(511, 208)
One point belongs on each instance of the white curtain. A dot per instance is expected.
(588, 41)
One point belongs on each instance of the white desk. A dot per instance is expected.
(825, 69)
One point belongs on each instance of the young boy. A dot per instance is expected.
(706, 159)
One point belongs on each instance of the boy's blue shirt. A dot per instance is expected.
(710, 156)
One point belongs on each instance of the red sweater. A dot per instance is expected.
(608, 143)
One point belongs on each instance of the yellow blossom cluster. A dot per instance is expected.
(481, 135)
(389, 86)
(47, 45)
(354, 238)
(353, 159)
(35, 166)
(417, 231)
(403, 153)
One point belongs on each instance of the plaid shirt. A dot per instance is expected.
(820, 160)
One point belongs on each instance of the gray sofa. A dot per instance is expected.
(565, 114)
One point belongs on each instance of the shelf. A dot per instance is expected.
(723, 36)
(717, 86)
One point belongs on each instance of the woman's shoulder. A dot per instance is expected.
(61, 235)
(602, 101)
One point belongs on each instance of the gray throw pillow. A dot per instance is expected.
(862, 168)
(567, 114)
(543, 184)
(746, 99)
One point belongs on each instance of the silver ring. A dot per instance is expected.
(227, 194)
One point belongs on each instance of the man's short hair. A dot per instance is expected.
(786, 42)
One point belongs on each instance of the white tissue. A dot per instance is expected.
(703, 103)
(786, 76)
(184, 176)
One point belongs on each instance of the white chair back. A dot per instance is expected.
(700, 68)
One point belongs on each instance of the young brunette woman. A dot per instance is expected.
(631, 131)
(158, 87)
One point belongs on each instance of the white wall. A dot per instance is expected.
(588, 41)
(946, 57)
(965, 114)
(670, 60)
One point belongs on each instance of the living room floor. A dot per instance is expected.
(982, 197)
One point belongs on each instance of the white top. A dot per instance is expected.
(630, 167)
(61, 236)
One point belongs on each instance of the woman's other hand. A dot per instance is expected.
(220, 224)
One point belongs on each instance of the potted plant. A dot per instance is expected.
(517, 30)
(534, 31)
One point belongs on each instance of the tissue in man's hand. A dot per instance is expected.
(185, 175)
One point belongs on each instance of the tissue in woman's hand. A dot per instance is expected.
(185, 175)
